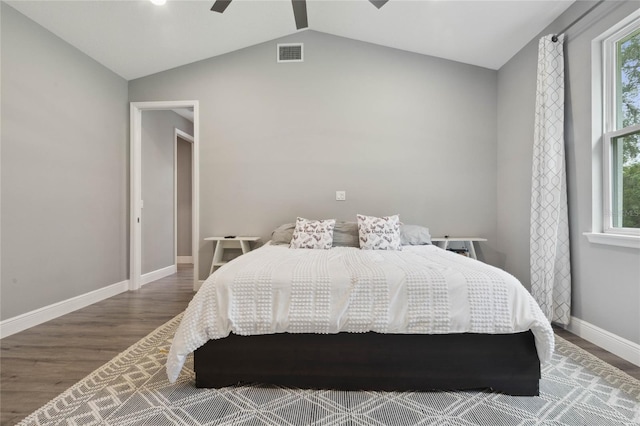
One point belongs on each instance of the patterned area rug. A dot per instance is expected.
(132, 389)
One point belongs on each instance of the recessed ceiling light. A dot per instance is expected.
(158, 2)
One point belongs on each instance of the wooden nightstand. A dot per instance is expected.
(223, 243)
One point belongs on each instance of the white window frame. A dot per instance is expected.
(610, 132)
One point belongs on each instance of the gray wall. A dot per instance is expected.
(606, 290)
(64, 170)
(184, 197)
(158, 146)
(400, 132)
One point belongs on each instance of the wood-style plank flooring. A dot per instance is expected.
(629, 368)
(38, 364)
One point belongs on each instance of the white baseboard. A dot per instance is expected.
(615, 344)
(184, 259)
(47, 313)
(158, 274)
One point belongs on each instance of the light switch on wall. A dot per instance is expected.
(341, 195)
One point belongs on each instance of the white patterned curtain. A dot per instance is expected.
(549, 242)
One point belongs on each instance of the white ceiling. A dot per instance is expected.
(136, 38)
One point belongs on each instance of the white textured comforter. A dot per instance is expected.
(421, 289)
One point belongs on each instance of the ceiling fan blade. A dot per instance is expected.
(220, 5)
(378, 3)
(299, 13)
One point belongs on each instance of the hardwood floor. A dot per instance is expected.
(39, 363)
(629, 368)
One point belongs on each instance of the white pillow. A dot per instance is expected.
(313, 234)
(379, 233)
(414, 235)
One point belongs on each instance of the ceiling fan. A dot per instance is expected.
(299, 9)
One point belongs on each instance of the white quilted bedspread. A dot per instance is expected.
(419, 290)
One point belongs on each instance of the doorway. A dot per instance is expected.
(183, 196)
(135, 261)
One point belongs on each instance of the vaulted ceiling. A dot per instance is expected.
(137, 38)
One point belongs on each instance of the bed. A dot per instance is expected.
(418, 318)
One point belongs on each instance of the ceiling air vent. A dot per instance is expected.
(290, 52)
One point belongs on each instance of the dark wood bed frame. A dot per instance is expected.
(506, 363)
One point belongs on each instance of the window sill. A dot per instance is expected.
(630, 241)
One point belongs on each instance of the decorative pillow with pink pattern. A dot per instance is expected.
(379, 233)
(313, 234)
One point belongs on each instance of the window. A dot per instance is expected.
(621, 138)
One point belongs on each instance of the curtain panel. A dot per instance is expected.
(549, 236)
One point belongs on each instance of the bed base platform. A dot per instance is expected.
(506, 363)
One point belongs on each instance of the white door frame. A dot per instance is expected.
(135, 229)
(187, 138)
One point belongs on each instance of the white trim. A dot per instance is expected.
(195, 200)
(135, 237)
(606, 57)
(184, 259)
(184, 135)
(630, 241)
(135, 242)
(621, 27)
(158, 274)
(613, 343)
(624, 131)
(47, 313)
(607, 162)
